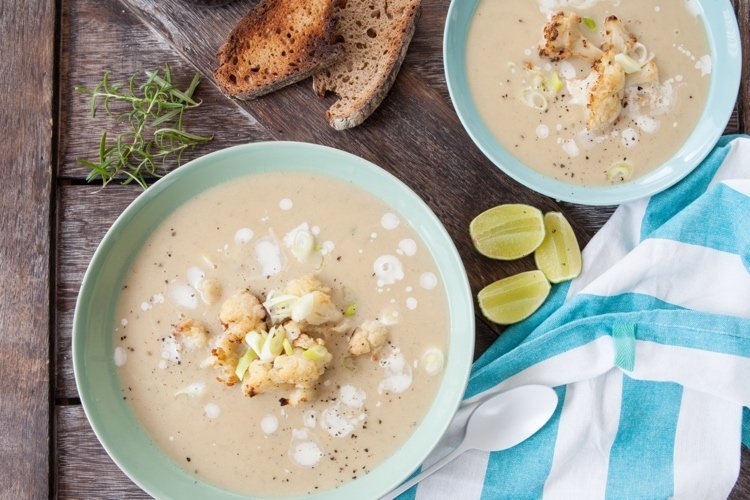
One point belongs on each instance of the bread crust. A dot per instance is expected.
(279, 42)
(360, 106)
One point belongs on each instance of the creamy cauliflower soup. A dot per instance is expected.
(589, 92)
(281, 334)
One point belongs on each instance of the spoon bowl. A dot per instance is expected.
(509, 418)
(500, 422)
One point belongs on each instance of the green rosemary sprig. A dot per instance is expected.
(154, 112)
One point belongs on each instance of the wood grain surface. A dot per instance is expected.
(415, 135)
(26, 175)
(742, 8)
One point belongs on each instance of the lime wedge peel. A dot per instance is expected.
(515, 298)
(559, 256)
(508, 232)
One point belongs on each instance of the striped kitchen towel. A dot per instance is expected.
(648, 350)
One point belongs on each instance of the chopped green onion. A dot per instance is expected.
(640, 53)
(288, 349)
(350, 310)
(193, 390)
(304, 243)
(279, 307)
(537, 82)
(553, 84)
(629, 65)
(316, 352)
(303, 308)
(619, 172)
(590, 23)
(274, 344)
(255, 341)
(244, 363)
(433, 361)
(535, 99)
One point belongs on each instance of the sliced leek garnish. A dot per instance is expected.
(303, 245)
(288, 349)
(255, 341)
(640, 53)
(535, 99)
(303, 307)
(244, 363)
(619, 172)
(554, 84)
(316, 352)
(433, 361)
(629, 65)
(193, 390)
(279, 306)
(274, 344)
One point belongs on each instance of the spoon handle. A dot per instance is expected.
(425, 473)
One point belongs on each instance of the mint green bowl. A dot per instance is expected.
(724, 42)
(98, 384)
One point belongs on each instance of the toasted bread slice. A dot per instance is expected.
(376, 35)
(277, 43)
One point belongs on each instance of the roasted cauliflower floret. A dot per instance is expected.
(241, 314)
(304, 285)
(226, 355)
(258, 379)
(298, 370)
(293, 330)
(323, 310)
(190, 333)
(563, 39)
(286, 357)
(648, 75)
(604, 103)
(616, 37)
(210, 290)
(368, 337)
(305, 300)
(303, 342)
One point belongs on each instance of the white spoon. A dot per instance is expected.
(501, 422)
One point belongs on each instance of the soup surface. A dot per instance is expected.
(537, 105)
(244, 235)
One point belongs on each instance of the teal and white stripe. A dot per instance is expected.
(649, 351)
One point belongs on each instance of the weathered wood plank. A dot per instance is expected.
(85, 214)
(425, 54)
(84, 470)
(743, 17)
(100, 36)
(26, 174)
(742, 488)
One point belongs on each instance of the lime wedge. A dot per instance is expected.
(507, 232)
(559, 256)
(513, 299)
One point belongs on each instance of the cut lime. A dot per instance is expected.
(507, 232)
(513, 299)
(559, 256)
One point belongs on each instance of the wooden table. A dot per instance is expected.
(51, 220)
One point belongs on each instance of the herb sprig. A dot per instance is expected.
(154, 112)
